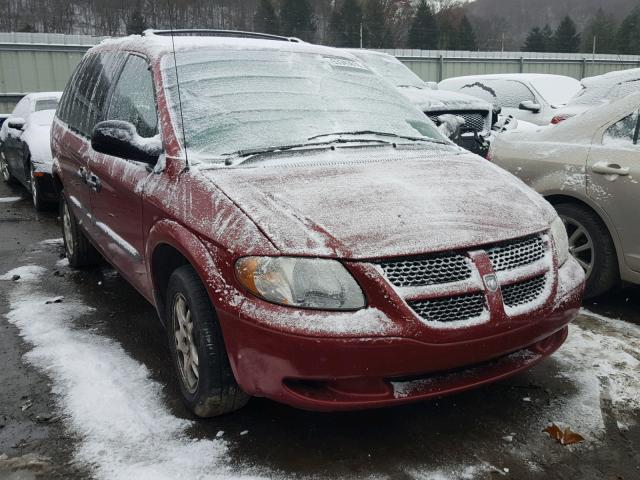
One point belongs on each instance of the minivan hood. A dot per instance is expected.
(381, 202)
(439, 100)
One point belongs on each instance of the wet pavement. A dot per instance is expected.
(491, 432)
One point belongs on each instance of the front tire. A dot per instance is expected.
(199, 355)
(592, 246)
(36, 196)
(79, 251)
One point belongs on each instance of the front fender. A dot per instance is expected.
(211, 263)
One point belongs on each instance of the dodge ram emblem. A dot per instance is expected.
(491, 282)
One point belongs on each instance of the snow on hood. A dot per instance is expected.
(378, 202)
(437, 100)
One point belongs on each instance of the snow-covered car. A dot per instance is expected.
(477, 114)
(25, 152)
(304, 232)
(599, 90)
(531, 97)
(588, 167)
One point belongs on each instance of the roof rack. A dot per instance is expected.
(204, 32)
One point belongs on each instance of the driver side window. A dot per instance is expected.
(623, 133)
(133, 98)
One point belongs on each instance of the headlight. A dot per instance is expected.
(300, 282)
(560, 240)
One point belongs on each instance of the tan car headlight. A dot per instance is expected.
(300, 282)
(560, 240)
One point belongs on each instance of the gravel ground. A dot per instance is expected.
(88, 391)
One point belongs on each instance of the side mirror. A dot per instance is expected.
(120, 139)
(16, 123)
(530, 106)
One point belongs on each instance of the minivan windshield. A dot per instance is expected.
(391, 69)
(239, 100)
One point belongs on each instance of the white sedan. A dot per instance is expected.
(588, 167)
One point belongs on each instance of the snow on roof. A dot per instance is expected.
(612, 77)
(158, 45)
(43, 95)
(527, 77)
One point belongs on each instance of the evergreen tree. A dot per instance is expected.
(535, 41)
(296, 19)
(604, 29)
(466, 38)
(265, 19)
(629, 34)
(136, 24)
(566, 38)
(376, 33)
(547, 34)
(423, 33)
(345, 24)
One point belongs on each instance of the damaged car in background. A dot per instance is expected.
(25, 153)
(529, 97)
(467, 120)
(588, 167)
(322, 245)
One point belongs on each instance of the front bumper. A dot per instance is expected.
(315, 369)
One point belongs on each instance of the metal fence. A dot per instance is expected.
(36, 62)
(436, 65)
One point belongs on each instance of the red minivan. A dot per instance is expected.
(304, 233)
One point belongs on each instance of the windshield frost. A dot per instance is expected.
(250, 99)
(391, 69)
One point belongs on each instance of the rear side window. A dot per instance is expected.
(133, 98)
(623, 133)
(83, 103)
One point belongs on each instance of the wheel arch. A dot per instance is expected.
(170, 246)
(557, 198)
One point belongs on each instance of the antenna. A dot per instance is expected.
(175, 65)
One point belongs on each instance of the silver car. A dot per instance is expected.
(588, 167)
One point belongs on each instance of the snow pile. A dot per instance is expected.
(108, 398)
(602, 362)
(10, 199)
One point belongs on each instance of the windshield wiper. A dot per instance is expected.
(381, 134)
(260, 150)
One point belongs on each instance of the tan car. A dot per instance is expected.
(588, 167)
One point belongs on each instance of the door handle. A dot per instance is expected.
(606, 168)
(94, 182)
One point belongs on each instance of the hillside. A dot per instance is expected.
(514, 18)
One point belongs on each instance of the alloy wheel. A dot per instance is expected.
(66, 229)
(581, 244)
(186, 351)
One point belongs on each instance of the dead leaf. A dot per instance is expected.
(569, 437)
(566, 437)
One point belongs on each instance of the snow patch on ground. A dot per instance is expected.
(108, 398)
(600, 359)
(10, 199)
(27, 273)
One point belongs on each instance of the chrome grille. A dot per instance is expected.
(418, 272)
(450, 309)
(515, 254)
(522, 293)
(473, 121)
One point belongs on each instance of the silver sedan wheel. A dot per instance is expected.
(66, 229)
(581, 244)
(4, 168)
(186, 351)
